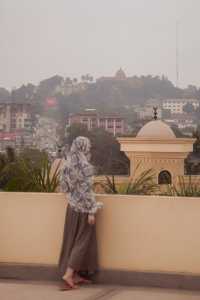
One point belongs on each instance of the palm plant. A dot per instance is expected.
(43, 180)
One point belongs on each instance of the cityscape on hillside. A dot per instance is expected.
(38, 116)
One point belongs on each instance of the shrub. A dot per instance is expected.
(28, 174)
(183, 188)
(144, 184)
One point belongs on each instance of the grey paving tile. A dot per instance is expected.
(155, 294)
(22, 290)
(32, 291)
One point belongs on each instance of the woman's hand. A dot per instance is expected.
(91, 219)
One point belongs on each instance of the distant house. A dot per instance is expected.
(112, 123)
(15, 124)
(183, 120)
(176, 105)
(145, 112)
(14, 116)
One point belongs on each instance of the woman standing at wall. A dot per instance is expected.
(79, 249)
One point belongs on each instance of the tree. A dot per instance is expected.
(188, 108)
(178, 133)
(190, 92)
(196, 135)
(48, 86)
(87, 78)
(29, 171)
(166, 113)
(106, 155)
(11, 165)
(4, 95)
(75, 80)
(24, 93)
(76, 130)
(68, 81)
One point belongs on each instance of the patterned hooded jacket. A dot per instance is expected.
(76, 177)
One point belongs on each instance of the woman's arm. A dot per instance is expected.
(90, 202)
(63, 182)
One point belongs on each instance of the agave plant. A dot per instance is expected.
(110, 186)
(44, 180)
(143, 184)
(183, 188)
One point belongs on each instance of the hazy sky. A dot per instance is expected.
(41, 38)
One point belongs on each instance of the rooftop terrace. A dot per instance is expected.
(23, 290)
(150, 241)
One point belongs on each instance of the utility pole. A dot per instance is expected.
(177, 54)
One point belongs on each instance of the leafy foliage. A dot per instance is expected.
(76, 130)
(188, 108)
(104, 95)
(184, 188)
(143, 184)
(42, 179)
(106, 155)
(28, 173)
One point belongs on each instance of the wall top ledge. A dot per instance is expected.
(137, 140)
(61, 196)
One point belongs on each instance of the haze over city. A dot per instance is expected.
(42, 38)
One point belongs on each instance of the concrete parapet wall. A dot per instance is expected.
(135, 233)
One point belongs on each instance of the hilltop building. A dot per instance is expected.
(119, 75)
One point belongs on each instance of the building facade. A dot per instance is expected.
(110, 122)
(45, 136)
(176, 105)
(119, 75)
(182, 121)
(15, 116)
(15, 125)
(145, 112)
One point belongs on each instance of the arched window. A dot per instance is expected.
(164, 177)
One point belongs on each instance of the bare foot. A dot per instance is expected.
(78, 280)
(69, 282)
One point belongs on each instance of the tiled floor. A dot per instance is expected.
(21, 290)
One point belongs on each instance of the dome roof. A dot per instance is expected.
(156, 129)
(120, 74)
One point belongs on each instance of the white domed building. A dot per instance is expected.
(156, 147)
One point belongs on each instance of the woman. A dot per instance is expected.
(79, 249)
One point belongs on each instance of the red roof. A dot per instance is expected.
(51, 102)
(7, 136)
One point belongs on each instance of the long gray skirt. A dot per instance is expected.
(79, 248)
